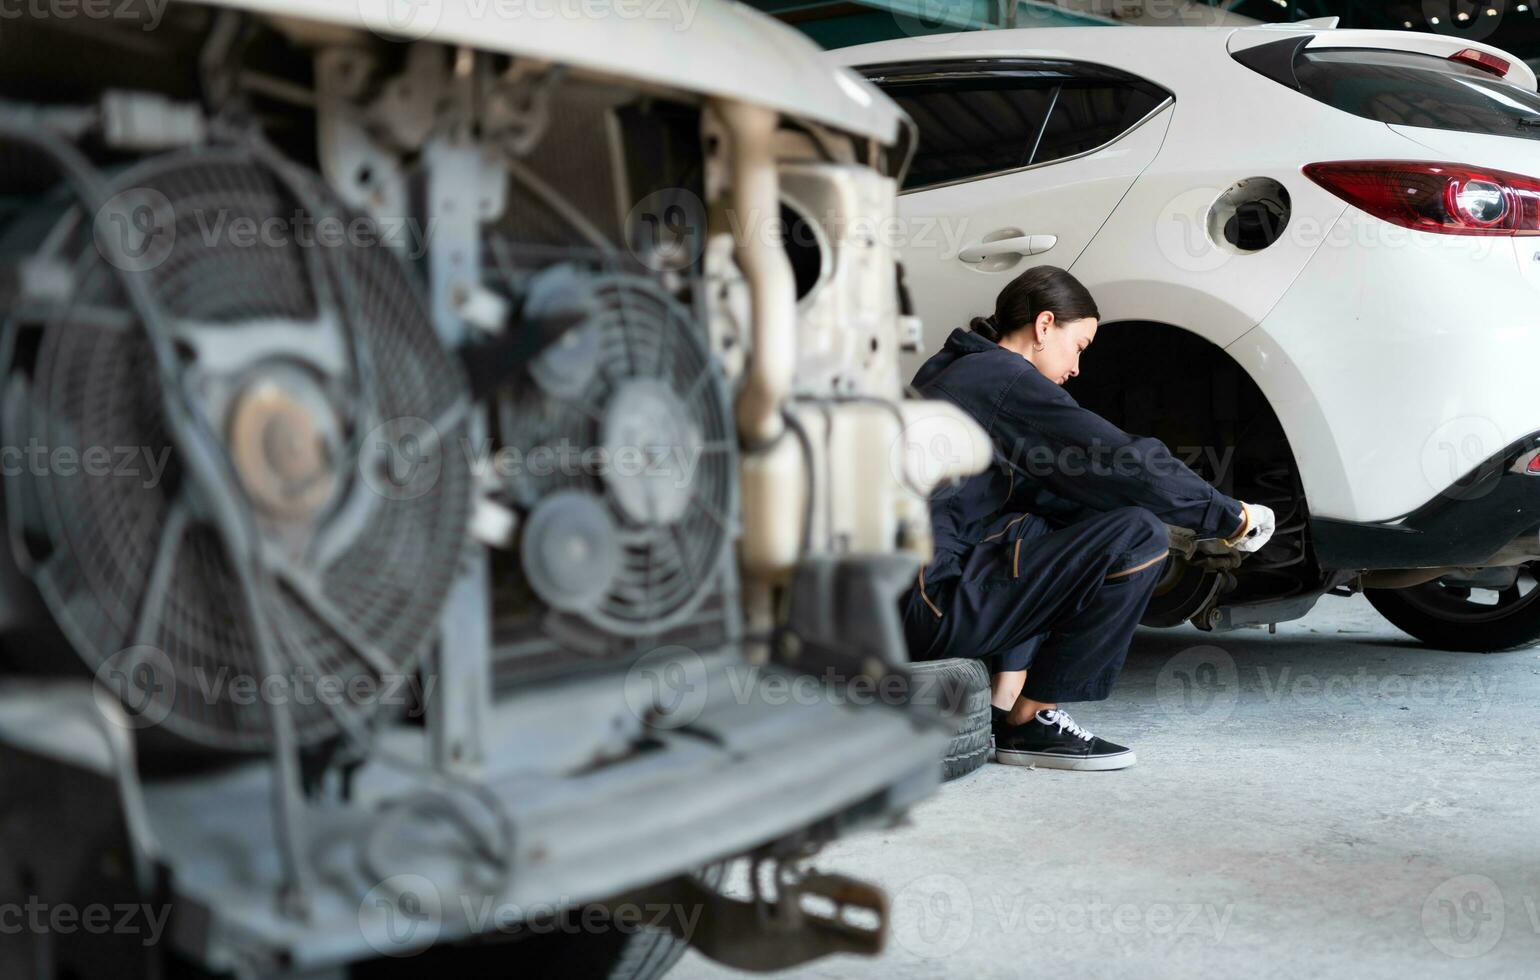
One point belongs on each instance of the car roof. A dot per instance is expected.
(1168, 55)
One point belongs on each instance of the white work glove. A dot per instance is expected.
(1258, 528)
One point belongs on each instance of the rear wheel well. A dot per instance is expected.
(1156, 379)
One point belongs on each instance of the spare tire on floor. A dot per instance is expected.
(959, 686)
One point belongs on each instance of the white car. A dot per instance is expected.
(1317, 257)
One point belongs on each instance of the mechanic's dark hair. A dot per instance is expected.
(1040, 288)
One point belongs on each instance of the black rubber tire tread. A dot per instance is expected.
(1520, 629)
(959, 685)
(651, 953)
(607, 954)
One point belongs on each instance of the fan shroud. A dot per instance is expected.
(651, 390)
(127, 562)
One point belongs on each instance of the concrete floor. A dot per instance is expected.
(1330, 801)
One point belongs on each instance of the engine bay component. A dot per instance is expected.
(571, 550)
(631, 416)
(284, 440)
(567, 367)
(504, 426)
(645, 412)
(845, 334)
(318, 375)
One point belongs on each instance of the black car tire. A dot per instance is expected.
(960, 686)
(653, 951)
(605, 953)
(1483, 632)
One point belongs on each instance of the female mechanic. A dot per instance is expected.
(1044, 563)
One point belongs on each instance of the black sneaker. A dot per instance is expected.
(1052, 740)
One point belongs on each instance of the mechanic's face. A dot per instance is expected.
(1062, 343)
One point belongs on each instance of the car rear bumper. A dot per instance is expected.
(1466, 525)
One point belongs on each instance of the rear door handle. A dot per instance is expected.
(1020, 245)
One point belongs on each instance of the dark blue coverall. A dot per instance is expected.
(1049, 557)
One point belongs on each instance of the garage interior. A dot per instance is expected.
(591, 696)
(1333, 798)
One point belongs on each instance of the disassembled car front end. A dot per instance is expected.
(444, 447)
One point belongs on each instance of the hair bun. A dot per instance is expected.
(986, 326)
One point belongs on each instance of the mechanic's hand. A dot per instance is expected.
(1182, 540)
(1260, 525)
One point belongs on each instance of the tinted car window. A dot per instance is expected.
(968, 129)
(982, 118)
(1418, 90)
(1086, 117)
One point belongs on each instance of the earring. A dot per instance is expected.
(1037, 346)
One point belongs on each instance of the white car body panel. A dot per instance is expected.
(695, 46)
(1416, 349)
(1501, 152)
(1394, 359)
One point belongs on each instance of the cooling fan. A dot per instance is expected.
(305, 355)
(625, 450)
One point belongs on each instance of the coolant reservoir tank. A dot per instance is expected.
(939, 443)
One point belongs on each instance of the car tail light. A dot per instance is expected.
(1482, 60)
(1444, 198)
(1528, 462)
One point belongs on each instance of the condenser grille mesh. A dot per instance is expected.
(96, 387)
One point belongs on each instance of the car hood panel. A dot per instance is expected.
(711, 47)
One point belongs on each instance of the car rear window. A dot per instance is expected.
(1418, 90)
